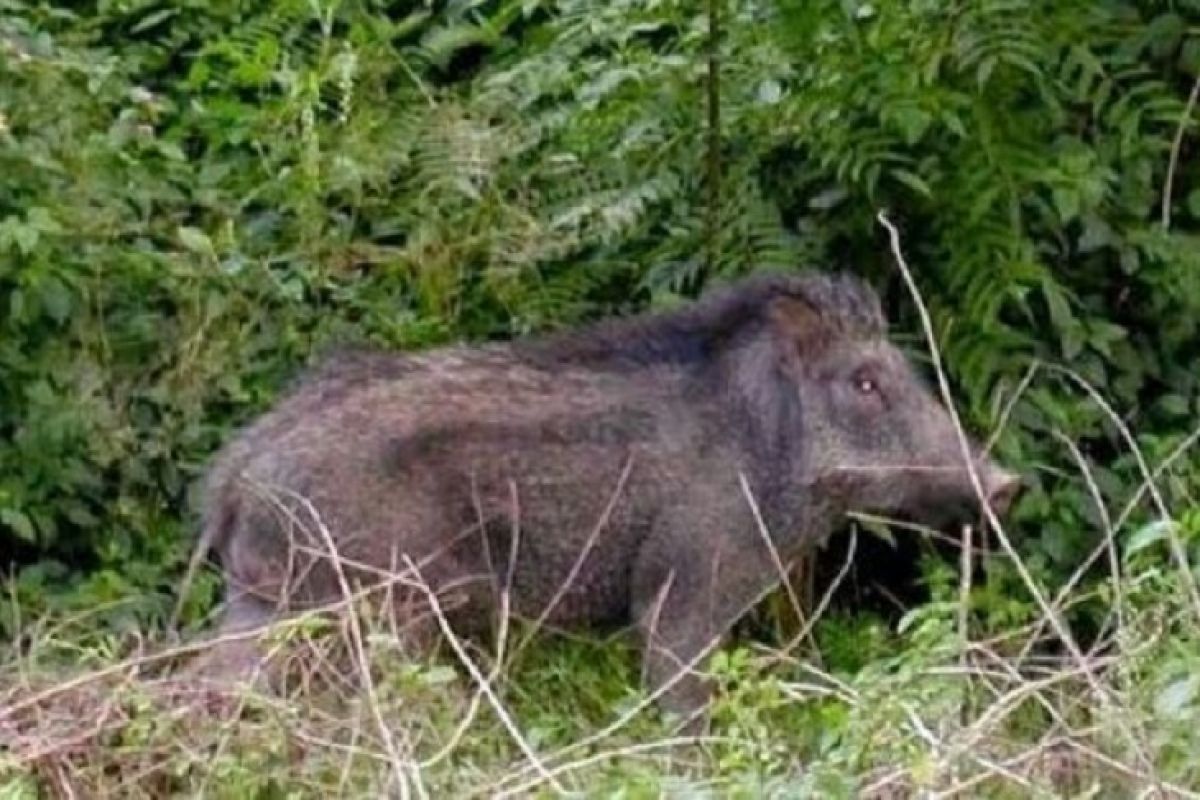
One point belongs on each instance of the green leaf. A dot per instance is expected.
(1193, 203)
(1056, 302)
(196, 241)
(1096, 234)
(409, 24)
(1148, 535)
(913, 181)
(1189, 56)
(442, 43)
(438, 675)
(43, 221)
(1066, 202)
(913, 123)
(877, 528)
(16, 304)
(770, 92)
(1177, 697)
(55, 298)
(155, 18)
(1174, 404)
(1164, 32)
(18, 234)
(20, 524)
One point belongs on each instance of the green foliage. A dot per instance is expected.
(1025, 152)
(198, 197)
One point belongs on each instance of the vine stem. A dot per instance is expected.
(713, 86)
(1173, 164)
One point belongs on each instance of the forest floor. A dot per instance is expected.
(854, 708)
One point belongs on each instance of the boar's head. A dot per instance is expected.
(873, 436)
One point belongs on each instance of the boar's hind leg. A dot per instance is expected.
(686, 595)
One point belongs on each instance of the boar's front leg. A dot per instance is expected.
(687, 591)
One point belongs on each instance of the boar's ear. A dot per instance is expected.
(798, 326)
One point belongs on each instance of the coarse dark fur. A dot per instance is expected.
(602, 475)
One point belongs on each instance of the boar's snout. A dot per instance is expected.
(1001, 488)
(955, 498)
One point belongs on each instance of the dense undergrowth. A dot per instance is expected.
(923, 711)
(196, 197)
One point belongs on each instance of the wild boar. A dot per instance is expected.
(597, 476)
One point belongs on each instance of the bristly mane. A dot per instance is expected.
(690, 334)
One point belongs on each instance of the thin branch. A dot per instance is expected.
(1022, 387)
(713, 86)
(826, 598)
(501, 712)
(1178, 551)
(965, 565)
(797, 608)
(360, 655)
(1173, 164)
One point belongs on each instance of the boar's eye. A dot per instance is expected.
(866, 385)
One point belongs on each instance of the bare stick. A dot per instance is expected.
(1022, 387)
(1129, 772)
(964, 445)
(655, 612)
(946, 755)
(356, 641)
(634, 749)
(826, 598)
(1188, 443)
(505, 718)
(921, 530)
(501, 636)
(713, 145)
(775, 559)
(1178, 551)
(957, 789)
(386, 580)
(965, 565)
(1108, 544)
(1007, 703)
(1176, 145)
(641, 706)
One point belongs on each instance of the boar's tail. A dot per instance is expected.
(216, 527)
